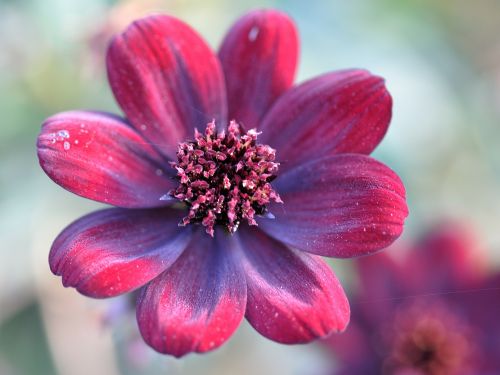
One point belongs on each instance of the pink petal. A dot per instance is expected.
(383, 280)
(166, 79)
(114, 251)
(100, 157)
(259, 58)
(353, 349)
(383, 276)
(197, 304)
(293, 297)
(453, 249)
(340, 112)
(339, 206)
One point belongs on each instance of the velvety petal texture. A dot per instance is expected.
(340, 206)
(166, 79)
(293, 297)
(114, 251)
(259, 59)
(100, 157)
(340, 112)
(196, 289)
(197, 304)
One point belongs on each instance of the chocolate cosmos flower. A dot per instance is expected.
(433, 311)
(216, 222)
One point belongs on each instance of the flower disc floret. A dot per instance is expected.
(225, 178)
(430, 339)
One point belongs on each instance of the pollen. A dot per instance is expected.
(224, 178)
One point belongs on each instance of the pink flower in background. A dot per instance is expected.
(279, 176)
(433, 311)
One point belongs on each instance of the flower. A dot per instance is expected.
(270, 205)
(433, 311)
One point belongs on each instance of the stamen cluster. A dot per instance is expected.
(225, 178)
(429, 339)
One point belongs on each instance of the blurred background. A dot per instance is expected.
(441, 60)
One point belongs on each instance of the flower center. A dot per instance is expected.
(430, 339)
(225, 178)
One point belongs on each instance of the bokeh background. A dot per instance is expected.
(441, 60)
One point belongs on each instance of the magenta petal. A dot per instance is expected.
(197, 304)
(353, 349)
(166, 79)
(339, 206)
(453, 249)
(293, 297)
(259, 59)
(113, 251)
(100, 157)
(382, 277)
(384, 280)
(340, 112)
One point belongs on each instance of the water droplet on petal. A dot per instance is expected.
(253, 34)
(166, 197)
(63, 133)
(268, 215)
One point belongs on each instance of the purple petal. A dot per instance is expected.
(384, 280)
(353, 349)
(340, 112)
(166, 79)
(197, 304)
(100, 157)
(340, 206)
(259, 59)
(293, 297)
(114, 251)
